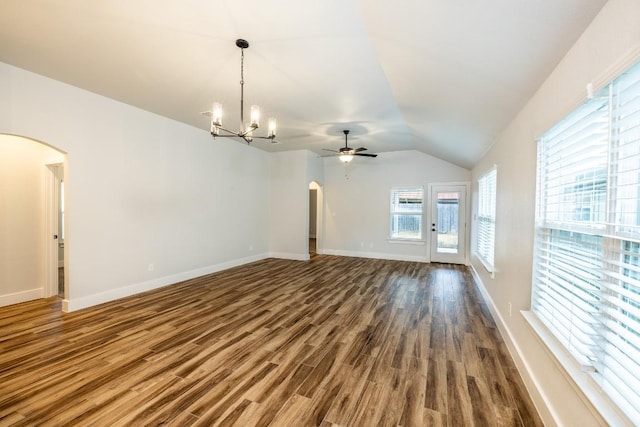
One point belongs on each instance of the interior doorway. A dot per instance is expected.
(55, 233)
(315, 214)
(30, 211)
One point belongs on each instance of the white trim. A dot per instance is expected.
(377, 255)
(291, 256)
(625, 61)
(51, 207)
(628, 59)
(588, 390)
(407, 241)
(489, 266)
(466, 225)
(392, 212)
(74, 304)
(490, 269)
(540, 401)
(23, 296)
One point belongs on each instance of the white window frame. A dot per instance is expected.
(586, 270)
(486, 219)
(395, 211)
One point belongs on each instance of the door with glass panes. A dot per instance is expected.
(448, 224)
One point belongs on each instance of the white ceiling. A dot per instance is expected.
(440, 76)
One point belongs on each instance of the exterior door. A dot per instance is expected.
(448, 224)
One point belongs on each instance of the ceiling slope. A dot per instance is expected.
(440, 76)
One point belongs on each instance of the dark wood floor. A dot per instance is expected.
(333, 341)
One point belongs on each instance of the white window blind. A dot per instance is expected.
(586, 282)
(406, 213)
(485, 242)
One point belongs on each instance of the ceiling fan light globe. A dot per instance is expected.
(345, 158)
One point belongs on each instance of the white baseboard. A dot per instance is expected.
(73, 304)
(291, 256)
(516, 354)
(376, 255)
(23, 296)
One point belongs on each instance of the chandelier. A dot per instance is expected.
(246, 129)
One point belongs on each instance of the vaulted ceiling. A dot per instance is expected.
(440, 76)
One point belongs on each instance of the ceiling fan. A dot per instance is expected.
(346, 154)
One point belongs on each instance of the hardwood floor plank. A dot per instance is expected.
(331, 361)
(243, 411)
(323, 398)
(335, 341)
(459, 407)
(526, 410)
(434, 419)
(436, 389)
(370, 410)
(350, 394)
(480, 397)
(292, 411)
(416, 383)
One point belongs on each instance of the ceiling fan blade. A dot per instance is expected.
(360, 149)
(330, 155)
(365, 155)
(333, 151)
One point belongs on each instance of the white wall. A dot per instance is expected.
(141, 189)
(22, 217)
(291, 173)
(608, 46)
(356, 201)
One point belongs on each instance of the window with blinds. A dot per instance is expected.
(406, 213)
(485, 240)
(586, 281)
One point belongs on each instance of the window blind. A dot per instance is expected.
(485, 242)
(406, 213)
(586, 281)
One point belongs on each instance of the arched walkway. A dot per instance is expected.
(31, 176)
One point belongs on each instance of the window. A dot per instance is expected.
(586, 281)
(406, 213)
(486, 218)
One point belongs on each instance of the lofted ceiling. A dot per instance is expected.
(440, 76)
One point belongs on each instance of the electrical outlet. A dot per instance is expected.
(250, 247)
(151, 267)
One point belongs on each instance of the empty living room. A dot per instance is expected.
(341, 213)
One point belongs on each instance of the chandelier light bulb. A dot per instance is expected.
(271, 133)
(216, 114)
(255, 116)
(246, 129)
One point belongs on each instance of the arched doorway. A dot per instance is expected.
(31, 177)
